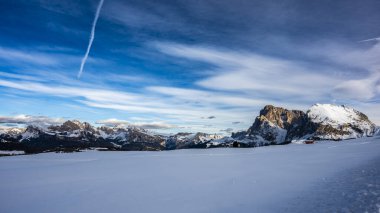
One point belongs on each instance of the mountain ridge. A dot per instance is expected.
(273, 126)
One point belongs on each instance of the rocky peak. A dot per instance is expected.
(280, 117)
(274, 124)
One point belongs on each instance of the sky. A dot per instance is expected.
(181, 65)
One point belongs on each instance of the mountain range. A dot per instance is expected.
(273, 126)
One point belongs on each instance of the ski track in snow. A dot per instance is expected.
(355, 190)
(322, 177)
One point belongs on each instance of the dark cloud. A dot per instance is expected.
(228, 130)
(209, 117)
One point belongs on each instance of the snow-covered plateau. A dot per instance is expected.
(326, 176)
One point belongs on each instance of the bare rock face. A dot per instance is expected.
(283, 118)
(275, 125)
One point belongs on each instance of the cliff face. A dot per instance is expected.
(276, 125)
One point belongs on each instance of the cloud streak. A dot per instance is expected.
(371, 39)
(148, 125)
(92, 36)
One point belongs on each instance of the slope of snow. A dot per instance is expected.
(265, 179)
(27, 135)
(11, 130)
(349, 122)
(332, 114)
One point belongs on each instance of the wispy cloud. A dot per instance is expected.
(248, 72)
(155, 104)
(42, 57)
(32, 57)
(144, 125)
(295, 80)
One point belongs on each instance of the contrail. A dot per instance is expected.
(84, 59)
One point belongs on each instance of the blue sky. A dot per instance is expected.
(186, 65)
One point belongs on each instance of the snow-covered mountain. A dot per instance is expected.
(190, 140)
(339, 122)
(276, 125)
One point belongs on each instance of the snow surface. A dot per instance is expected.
(264, 179)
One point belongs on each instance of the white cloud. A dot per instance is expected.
(29, 119)
(363, 89)
(112, 122)
(228, 130)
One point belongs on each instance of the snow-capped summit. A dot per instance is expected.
(11, 130)
(339, 122)
(330, 114)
